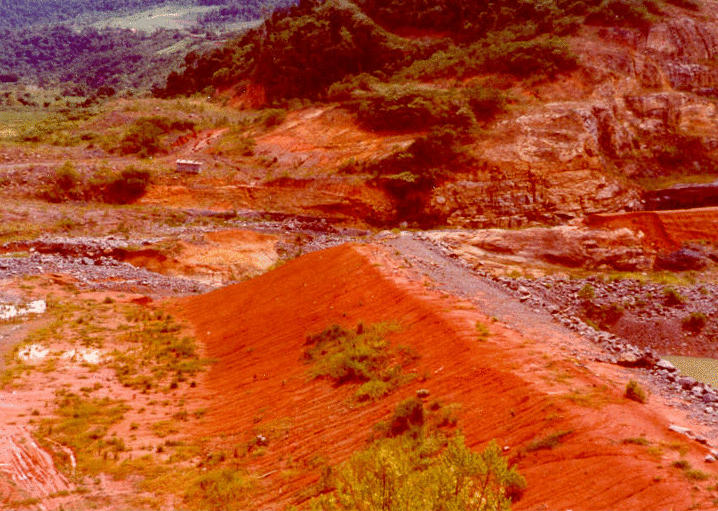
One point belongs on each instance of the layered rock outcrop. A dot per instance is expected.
(643, 104)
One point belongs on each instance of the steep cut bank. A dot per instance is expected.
(664, 229)
(509, 387)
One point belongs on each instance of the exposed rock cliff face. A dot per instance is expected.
(643, 104)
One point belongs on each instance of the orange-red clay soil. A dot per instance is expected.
(509, 388)
(664, 229)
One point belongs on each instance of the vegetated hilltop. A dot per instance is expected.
(519, 112)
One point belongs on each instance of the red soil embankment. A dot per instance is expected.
(509, 388)
(664, 229)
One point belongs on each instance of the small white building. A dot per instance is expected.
(189, 166)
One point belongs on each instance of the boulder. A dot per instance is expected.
(681, 260)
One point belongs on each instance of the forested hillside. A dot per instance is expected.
(86, 60)
(300, 52)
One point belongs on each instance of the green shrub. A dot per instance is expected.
(272, 117)
(673, 297)
(144, 136)
(82, 425)
(695, 322)
(549, 441)
(398, 107)
(373, 390)
(422, 474)
(118, 188)
(220, 488)
(361, 356)
(635, 392)
(66, 177)
(128, 186)
(65, 184)
(624, 13)
(637, 441)
(408, 415)
(536, 59)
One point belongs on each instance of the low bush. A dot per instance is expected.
(422, 473)
(504, 52)
(635, 392)
(695, 322)
(144, 137)
(673, 297)
(537, 59)
(398, 107)
(362, 356)
(409, 175)
(128, 186)
(548, 442)
(82, 425)
(220, 488)
(272, 117)
(485, 102)
(624, 13)
(408, 415)
(116, 188)
(587, 292)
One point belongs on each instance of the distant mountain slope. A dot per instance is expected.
(73, 42)
(22, 13)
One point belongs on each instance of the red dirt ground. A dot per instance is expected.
(509, 387)
(664, 229)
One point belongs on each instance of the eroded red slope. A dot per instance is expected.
(509, 388)
(664, 229)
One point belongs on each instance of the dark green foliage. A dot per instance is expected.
(402, 108)
(129, 186)
(485, 102)
(90, 60)
(66, 177)
(144, 136)
(118, 188)
(298, 52)
(408, 415)
(638, 13)
(467, 20)
(409, 175)
(363, 356)
(303, 50)
(546, 56)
